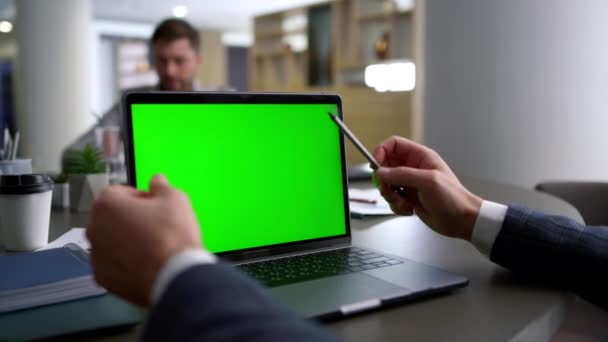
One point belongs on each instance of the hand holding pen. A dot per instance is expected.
(443, 203)
(408, 195)
(432, 190)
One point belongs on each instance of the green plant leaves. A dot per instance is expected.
(86, 161)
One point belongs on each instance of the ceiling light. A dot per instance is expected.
(405, 5)
(180, 11)
(395, 76)
(6, 26)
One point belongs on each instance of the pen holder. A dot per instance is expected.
(16, 166)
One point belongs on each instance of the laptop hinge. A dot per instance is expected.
(286, 251)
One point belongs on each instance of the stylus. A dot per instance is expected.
(373, 162)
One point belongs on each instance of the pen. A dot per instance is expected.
(8, 149)
(6, 145)
(373, 162)
(15, 146)
(6, 136)
(362, 200)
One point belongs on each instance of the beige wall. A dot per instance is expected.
(373, 117)
(212, 72)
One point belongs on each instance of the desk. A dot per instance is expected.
(496, 306)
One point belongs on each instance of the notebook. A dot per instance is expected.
(266, 174)
(367, 203)
(46, 277)
(61, 277)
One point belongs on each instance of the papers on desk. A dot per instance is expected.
(75, 235)
(50, 276)
(367, 202)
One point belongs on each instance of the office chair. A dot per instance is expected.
(589, 198)
(583, 322)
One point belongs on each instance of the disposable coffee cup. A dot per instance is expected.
(25, 211)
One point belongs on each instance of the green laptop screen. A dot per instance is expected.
(256, 174)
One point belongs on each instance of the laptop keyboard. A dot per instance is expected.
(298, 268)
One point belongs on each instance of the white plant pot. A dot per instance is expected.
(84, 189)
(61, 195)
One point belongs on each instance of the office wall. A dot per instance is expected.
(8, 46)
(238, 67)
(212, 73)
(52, 74)
(105, 33)
(517, 90)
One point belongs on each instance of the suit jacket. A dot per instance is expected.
(215, 302)
(556, 249)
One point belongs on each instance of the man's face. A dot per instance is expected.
(176, 63)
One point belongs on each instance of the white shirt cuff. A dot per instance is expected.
(488, 225)
(176, 265)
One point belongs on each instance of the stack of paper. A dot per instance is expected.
(367, 203)
(45, 277)
(76, 236)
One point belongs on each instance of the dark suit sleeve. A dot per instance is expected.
(215, 302)
(556, 249)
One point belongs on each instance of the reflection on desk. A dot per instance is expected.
(496, 306)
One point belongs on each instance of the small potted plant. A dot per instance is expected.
(61, 192)
(88, 176)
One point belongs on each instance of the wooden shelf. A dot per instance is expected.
(275, 53)
(404, 13)
(355, 25)
(338, 42)
(351, 66)
(302, 30)
(278, 35)
(380, 16)
(373, 17)
(268, 35)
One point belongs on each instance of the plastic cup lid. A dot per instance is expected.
(25, 184)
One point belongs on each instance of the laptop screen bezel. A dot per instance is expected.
(131, 98)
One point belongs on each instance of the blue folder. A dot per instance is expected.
(23, 270)
(38, 268)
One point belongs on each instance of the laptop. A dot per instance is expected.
(266, 175)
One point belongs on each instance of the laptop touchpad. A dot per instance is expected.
(325, 295)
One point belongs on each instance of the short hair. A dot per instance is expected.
(172, 29)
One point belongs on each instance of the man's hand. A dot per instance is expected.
(134, 233)
(442, 202)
